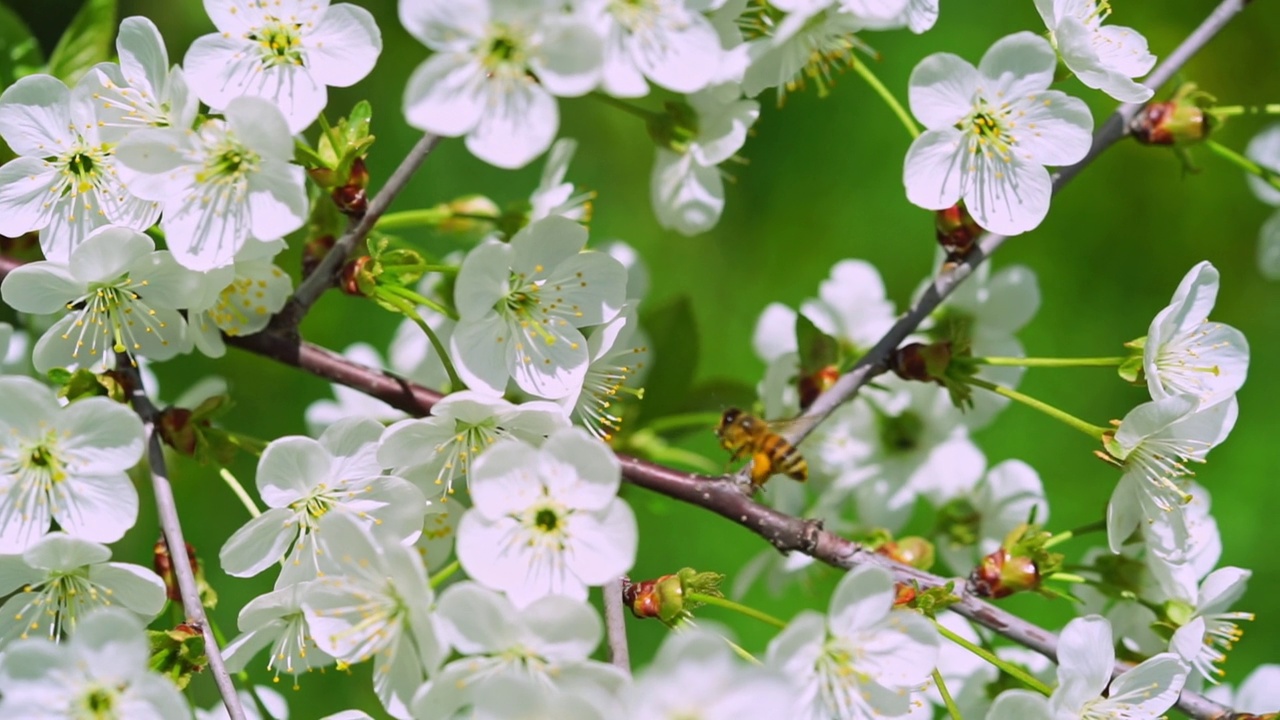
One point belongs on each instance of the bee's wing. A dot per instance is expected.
(790, 427)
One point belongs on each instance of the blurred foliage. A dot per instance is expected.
(823, 183)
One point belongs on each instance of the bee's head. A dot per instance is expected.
(730, 416)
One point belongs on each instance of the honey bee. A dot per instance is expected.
(771, 454)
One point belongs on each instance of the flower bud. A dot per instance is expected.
(1177, 121)
(957, 231)
(163, 564)
(912, 550)
(925, 363)
(666, 597)
(354, 278)
(351, 197)
(1001, 575)
(177, 430)
(814, 384)
(469, 214)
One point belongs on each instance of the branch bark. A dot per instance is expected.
(167, 510)
(325, 274)
(615, 625)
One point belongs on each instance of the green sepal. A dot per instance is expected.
(1131, 370)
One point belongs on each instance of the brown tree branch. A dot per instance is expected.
(615, 625)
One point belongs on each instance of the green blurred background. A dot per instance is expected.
(823, 183)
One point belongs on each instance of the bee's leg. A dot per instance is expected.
(761, 468)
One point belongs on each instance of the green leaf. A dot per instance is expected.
(86, 42)
(19, 52)
(817, 349)
(673, 335)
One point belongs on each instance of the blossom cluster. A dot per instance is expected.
(457, 552)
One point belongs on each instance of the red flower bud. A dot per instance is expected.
(813, 385)
(956, 231)
(163, 564)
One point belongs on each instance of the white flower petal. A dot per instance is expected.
(289, 468)
(1019, 64)
(96, 508)
(344, 47)
(445, 94)
(259, 543)
(941, 90)
(518, 125)
(933, 171)
(132, 586)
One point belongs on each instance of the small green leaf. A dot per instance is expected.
(817, 349)
(19, 52)
(86, 42)
(673, 334)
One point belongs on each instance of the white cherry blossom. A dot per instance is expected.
(1185, 353)
(275, 620)
(285, 53)
(1258, 694)
(521, 305)
(143, 90)
(1154, 442)
(66, 181)
(990, 131)
(549, 643)
(222, 185)
(374, 602)
(496, 71)
(241, 298)
(1264, 149)
(554, 196)
(276, 705)
(619, 354)
(666, 41)
(725, 687)
(1104, 58)
(1086, 659)
(123, 296)
(66, 464)
(686, 188)
(60, 579)
(437, 451)
(304, 481)
(1003, 499)
(863, 658)
(547, 521)
(1211, 631)
(103, 666)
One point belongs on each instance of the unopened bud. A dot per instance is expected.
(1000, 575)
(163, 564)
(925, 363)
(1177, 121)
(903, 594)
(667, 597)
(177, 430)
(912, 550)
(469, 214)
(351, 197)
(814, 384)
(354, 277)
(957, 231)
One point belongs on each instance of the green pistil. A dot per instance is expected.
(901, 433)
(42, 458)
(228, 164)
(100, 704)
(505, 49)
(81, 165)
(316, 506)
(547, 520)
(280, 43)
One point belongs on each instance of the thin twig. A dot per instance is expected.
(324, 276)
(615, 625)
(167, 510)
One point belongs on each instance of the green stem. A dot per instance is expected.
(1066, 535)
(728, 604)
(1244, 163)
(455, 383)
(1231, 110)
(952, 710)
(418, 298)
(425, 217)
(741, 651)
(700, 420)
(1006, 667)
(239, 490)
(444, 574)
(1070, 578)
(879, 88)
(1049, 362)
(1093, 431)
(625, 106)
